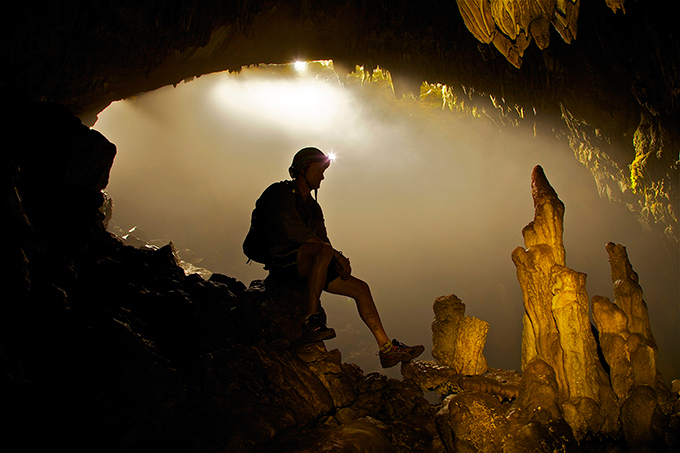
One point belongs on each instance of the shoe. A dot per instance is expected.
(315, 329)
(399, 353)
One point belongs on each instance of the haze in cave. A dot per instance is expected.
(424, 201)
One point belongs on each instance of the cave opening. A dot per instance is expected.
(426, 200)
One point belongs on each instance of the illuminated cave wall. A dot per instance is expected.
(602, 74)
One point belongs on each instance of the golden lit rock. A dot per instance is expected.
(478, 19)
(511, 24)
(537, 398)
(565, 19)
(557, 327)
(615, 5)
(641, 420)
(625, 332)
(535, 17)
(472, 421)
(506, 15)
(611, 323)
(458, 340)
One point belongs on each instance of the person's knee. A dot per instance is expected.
(361, 287)
(318, 251)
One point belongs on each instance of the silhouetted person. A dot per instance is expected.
(288, 227)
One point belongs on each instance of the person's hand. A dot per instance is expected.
(343, 267)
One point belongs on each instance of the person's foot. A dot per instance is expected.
(399, 352)
(315, 329)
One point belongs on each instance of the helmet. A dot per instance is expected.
(306, 156)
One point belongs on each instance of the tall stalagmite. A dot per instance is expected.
(630, 350)
(557, 327)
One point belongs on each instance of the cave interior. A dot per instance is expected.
(601, 74)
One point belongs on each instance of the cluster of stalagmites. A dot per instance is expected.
(567, 394)
(510, 25)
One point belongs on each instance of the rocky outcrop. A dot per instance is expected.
(142, 356)
(476, 421)
(557, 327)
(458, 340)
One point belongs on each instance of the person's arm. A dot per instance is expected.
(343, 266)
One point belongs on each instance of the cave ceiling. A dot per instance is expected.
(602, 74)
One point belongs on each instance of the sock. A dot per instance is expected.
(387, 347)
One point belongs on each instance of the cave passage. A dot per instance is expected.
(425, 201)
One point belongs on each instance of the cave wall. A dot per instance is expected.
(612, 91)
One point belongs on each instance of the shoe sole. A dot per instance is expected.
(393, 362)
(319, 336)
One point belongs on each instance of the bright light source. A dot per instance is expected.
(300, 65)
(299, 105)
(332, 156)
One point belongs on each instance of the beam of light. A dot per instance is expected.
(293, 105)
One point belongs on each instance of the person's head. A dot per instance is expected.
(304, 158)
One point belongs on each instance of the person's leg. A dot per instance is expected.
(312, 260)
(361, 293)
(391, 352)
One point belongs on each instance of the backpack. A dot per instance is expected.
(254, 244)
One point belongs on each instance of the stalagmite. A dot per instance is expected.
(625, 332)
(557, 328)
(458, 340)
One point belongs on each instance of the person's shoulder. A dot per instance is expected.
(281, 186)
(278, 189)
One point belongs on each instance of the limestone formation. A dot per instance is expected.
(511, 24)
(478, 422)
(478, 19)
(429, 376)
(557, 328)
(625, 331)
(458, 340)
(643, 421)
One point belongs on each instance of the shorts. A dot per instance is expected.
(287, 261)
